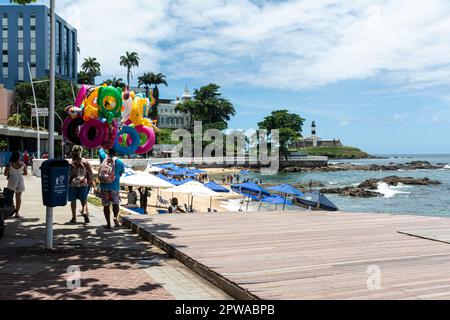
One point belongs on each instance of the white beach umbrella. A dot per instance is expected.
(142, 179)
(152, 169)
(194, 188)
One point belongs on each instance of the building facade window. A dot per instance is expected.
(74, 55)
(66, 51)
(21, 72)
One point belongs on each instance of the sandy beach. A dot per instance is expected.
(224, 202)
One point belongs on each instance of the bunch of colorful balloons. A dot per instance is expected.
(109, 118)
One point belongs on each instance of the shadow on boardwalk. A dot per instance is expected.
(112, 263)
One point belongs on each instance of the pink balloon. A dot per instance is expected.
(81, 96)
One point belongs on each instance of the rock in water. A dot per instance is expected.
(366, 189)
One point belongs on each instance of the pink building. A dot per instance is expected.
(6, 102)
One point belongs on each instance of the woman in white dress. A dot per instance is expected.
(15, 171)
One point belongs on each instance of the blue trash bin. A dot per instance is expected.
(55, 183)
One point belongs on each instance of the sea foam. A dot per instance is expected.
(390, 191)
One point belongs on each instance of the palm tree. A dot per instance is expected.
(129, 61)
(146, 80)
(92, 67)
(115, 82)
(158, 79)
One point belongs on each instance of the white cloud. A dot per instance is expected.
(399, 117)
(289, 44)
(344, 123)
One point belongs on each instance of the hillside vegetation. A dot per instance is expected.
(336, 152)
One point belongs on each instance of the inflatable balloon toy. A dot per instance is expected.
(90, 107)
(81, 96)
(134, 141)
(142, 125)
(72, 124)
(127, 106)
(92, 134)
(110, 134)
(76, 110)
(109, 103)
(71, 130)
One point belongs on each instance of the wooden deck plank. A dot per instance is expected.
(292, 255)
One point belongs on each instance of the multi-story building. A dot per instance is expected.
(169, 118)
(25, 41)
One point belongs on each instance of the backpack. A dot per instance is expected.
(107, 171)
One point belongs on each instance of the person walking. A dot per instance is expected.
(80, 181)
(15, 170)
(144, 194)
(109, 174)
(26, 158)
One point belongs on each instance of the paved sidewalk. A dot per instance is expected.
(113, 264)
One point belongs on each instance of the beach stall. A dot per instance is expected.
(286, 190)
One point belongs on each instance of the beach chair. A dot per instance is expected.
(163, 201)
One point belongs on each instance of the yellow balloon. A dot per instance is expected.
(137, 111)
(90, 112)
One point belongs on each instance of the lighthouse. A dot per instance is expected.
(313, 129)
(314, 137)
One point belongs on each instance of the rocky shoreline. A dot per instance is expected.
(415, 165)
(368, 187)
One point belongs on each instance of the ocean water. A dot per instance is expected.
(416, 200)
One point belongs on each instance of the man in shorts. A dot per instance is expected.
(80, 180)
(110, 192)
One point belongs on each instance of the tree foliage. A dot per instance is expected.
(289, 126)
(22, 1)
(91, 67)
(24, 99)
(129, 61)
(115, 82)
(209, 107)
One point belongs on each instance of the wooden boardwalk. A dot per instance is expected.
(295, 255)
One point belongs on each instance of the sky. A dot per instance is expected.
(375, 74)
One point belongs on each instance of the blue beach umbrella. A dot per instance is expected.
(276, 200)
(287, 189)
(216, 187)
(196, 171)
(250, 190)
(161, 176)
